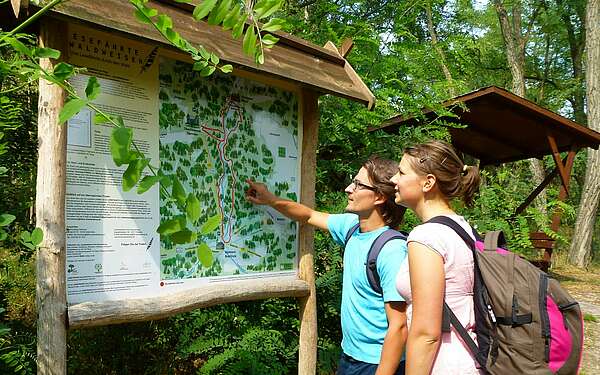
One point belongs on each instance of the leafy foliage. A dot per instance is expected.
(393, 53)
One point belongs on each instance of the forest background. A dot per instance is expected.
(412, 54)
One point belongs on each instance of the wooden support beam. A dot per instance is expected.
(89, 314)
(562, 195)
(564, 175)
(536, 192)
(51, 295)
(346, 47)
(307, 356)
(17, 5)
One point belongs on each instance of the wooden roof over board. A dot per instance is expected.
(323, 69)
(503, 127)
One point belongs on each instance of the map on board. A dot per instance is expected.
(215, 133)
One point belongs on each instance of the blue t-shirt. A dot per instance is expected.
(364, 322)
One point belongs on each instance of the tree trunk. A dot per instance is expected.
(515, 54)
(581, 244)
(439, 50)
(576, 37)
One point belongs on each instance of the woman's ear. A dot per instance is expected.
(428, 183)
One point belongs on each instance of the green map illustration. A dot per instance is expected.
(215, 133)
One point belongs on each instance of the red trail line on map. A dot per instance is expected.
(222, 143)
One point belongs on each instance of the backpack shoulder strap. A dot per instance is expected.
(350, 233)
(448, 317)
(376, 247)
(444, 220)
(462, 332)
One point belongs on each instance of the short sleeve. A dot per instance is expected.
(389, 261)
(430, 235)
(339, 225)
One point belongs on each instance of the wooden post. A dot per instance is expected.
(307, 357)
(51, 297)
(564, 189)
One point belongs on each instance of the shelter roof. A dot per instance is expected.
(503, 127)
(323, 69)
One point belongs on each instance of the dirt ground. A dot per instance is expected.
(584, 286)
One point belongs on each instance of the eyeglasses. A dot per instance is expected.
(357, 185)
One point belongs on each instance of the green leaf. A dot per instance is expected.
(46, 53)
(202, 10)
(100, 118)
(210, 225)
(141, 16)
(207, 71)
(149, 12)
(214, 59)
(204, 53)
(28, 245)
(192, 208)
(25, 236)
(205, 255)
(238, 29)
(274, 24)
(218, 15)
(164, 22)
(264, 9)
(120, 143)
(3, 235)
(269, 40)
(199, 65)
(63, 71)
(70, 109)
(147, 183)
(133, 173)
(93, 88)
(171, 226)
(232, 17)
(226, 68)
(173, 36)
(19, 47)
(6, 219)
(249, 43)
(184, 236)
(178, 192)
(166, 181)
(259, 57)
(3, 171)
(37, 236)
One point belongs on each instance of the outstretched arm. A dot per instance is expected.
(258, 193)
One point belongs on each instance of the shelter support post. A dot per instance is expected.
(51, 296)
(564, 189)
(549, 177)
(307, 358)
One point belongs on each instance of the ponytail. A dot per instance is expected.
(470, 184)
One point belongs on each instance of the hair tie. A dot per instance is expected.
(464, 170)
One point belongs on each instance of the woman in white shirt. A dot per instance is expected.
(440, 263)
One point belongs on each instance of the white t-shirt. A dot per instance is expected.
(453, 356)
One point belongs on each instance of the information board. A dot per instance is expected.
(212, 134)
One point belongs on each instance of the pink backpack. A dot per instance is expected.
(526, 323)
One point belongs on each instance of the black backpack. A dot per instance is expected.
(376, 246)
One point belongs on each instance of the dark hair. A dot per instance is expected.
(454, 177)
(380, 172)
